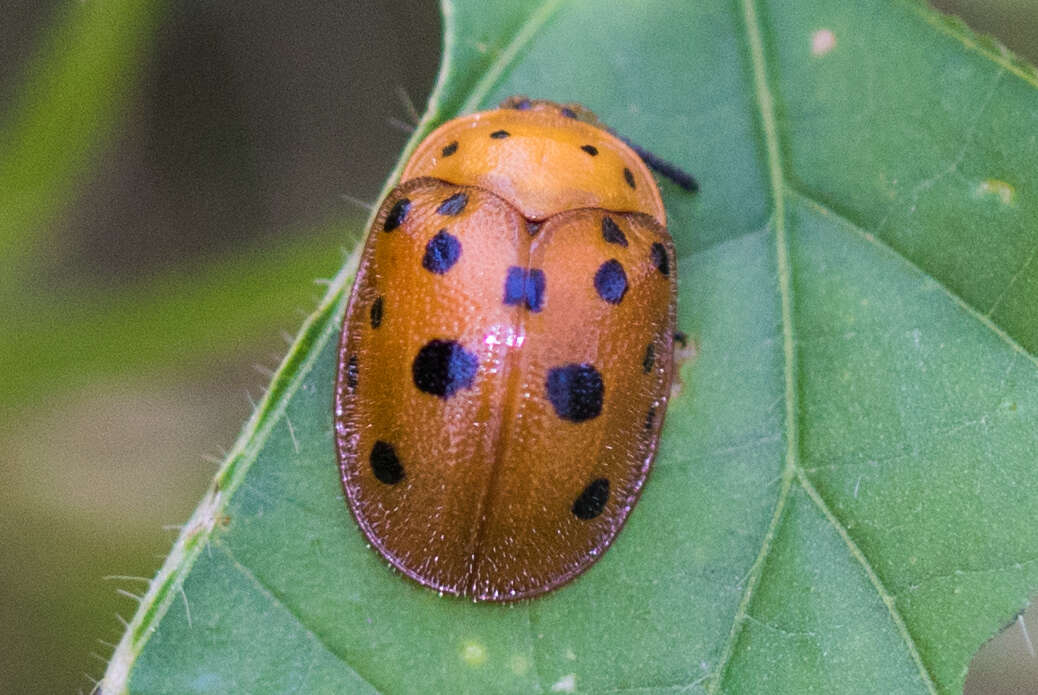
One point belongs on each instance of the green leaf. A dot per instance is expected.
(846, 493)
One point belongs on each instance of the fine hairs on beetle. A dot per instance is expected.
(507, 352)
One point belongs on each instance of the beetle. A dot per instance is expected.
(507, 351)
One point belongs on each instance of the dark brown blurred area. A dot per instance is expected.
(252, 121)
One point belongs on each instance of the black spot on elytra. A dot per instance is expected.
(449, 149)
(397, 215)
(441, 253)
(612, 233)
(525, 286)
(500, 134)
(649, 359)
(650, 419)
(590, 149)
(568, 112)
(611, 281)
(658, 255)
(376, 312)
(592, 500)
(385, 464)
(453, 205)
(444, 367)
(628, 177)
(351, 373)
(576, 391)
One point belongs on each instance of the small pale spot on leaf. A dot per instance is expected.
(822, 41)
(687, 352)
(519, 664)
(566, 684)
(996, 187)
(474, 654)
(683, 354)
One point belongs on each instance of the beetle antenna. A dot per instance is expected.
(663, 167)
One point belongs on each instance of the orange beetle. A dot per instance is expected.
(507, 352)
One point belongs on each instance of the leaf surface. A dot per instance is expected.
(845, 495)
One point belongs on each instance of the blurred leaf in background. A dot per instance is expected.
(170, 182)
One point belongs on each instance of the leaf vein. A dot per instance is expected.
(1012, 281)
(962, 572)
(882, 245)
(762, 92)
(912, 199)
(794, 634)
(268, 593)
(745, 234)
(886, 597)
(507, 57)
(941, 23)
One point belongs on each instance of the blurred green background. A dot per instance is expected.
(174, 176)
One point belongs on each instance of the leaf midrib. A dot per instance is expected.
(507, 56)
(791, 469)
(776, 177)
